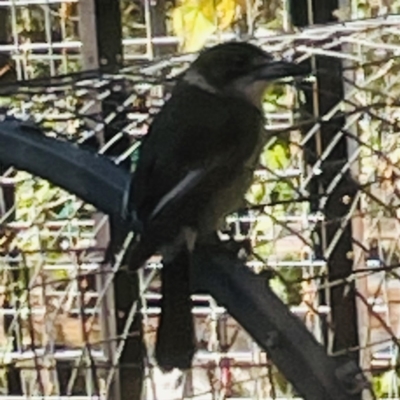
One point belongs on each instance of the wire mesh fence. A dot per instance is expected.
(59, 337)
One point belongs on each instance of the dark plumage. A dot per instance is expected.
(195, 165)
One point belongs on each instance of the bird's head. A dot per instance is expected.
(238, 69)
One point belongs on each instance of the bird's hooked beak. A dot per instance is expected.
(252, 87)
(274, 70)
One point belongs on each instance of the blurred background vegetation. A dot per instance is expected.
(192, 22)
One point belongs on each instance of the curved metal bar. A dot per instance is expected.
(292, 348)
(247, 297)
(92, 177)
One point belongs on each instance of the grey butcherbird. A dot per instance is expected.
(195, 165)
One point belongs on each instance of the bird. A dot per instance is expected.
(195, 164)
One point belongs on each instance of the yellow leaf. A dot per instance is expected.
(192, 22)
(226, 10)
(195, 20)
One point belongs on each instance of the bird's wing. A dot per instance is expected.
(195, 133)
(190, 180)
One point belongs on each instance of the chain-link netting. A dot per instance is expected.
(58, 334)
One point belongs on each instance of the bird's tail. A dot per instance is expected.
(175, 345)
(138, 253)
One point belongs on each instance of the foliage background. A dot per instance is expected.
(193, 22)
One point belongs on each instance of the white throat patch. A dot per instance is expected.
(251, 91)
